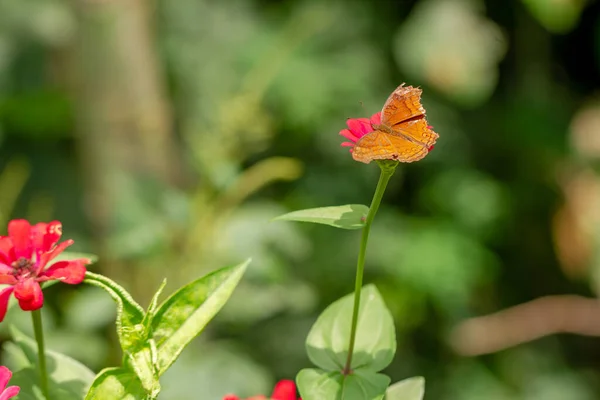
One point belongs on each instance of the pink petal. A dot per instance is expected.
(46, 235)
(348, 135)
(29, 294)
(71, 272)
(376, 119)
(19, 231)
(6, 250)
(359, 126)
(4, 297)
(284, 390)
(231, 397)
(5, 269)
(5, 376)
(347, 144)
(11, 391)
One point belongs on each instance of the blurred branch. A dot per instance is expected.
(526, 322)
(213, 211)
(258, 176)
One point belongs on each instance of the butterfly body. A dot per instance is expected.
(403, 133)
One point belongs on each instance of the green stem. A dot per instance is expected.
(387, 170)
(36, 317)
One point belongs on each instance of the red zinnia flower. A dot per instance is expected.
(284, 390)
(359, 127)
(7, 392)
(24, 255)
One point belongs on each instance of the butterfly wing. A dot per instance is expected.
(404, 115)
(403, 104)
(378, 145)
(417, 131)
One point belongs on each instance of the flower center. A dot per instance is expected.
(23, 267)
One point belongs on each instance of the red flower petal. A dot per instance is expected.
(6, 250)
(284, 390)
(376, 119)
(11, 391)
(47, 257)
(7, 279)
(19, 231)
(5, 269)
(71, 272)
(29, 294)
(4, 297)
(348, 135)
(231, 397)
(52, 235)
(359, 126)
(5, 376)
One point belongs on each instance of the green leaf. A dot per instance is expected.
(350, 216)
(68, 378)
(185, 314)
(408, 389)
(117, 384)
(129, 313)
(327, 341)
(132, 332)
(143, 362)
(154, 302)
(316, 384)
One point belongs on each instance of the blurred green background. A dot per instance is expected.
(166, 134)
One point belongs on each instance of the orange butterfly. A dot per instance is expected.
(403, 133)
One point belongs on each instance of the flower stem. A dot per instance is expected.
(387, 170)
(36, 317)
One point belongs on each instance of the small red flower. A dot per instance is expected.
(24, 255)
(284, 390)
(7, 392)
(359, 127)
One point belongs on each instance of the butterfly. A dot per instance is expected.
(403, 133)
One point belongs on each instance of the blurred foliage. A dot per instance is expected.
(502, 211)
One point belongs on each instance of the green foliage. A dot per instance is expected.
(351, 216)
(327, 347)
(327, 342)
(317, 384)
(184, 315)
(68, 378)
(558, 16)
(151, 341)
(118, 384)
(408, 389)
(129, 313)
